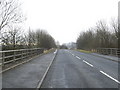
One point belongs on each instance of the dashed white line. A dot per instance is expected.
(78, 57)
(88, 63)
(109, 76)
(73, 54)
(100, 70)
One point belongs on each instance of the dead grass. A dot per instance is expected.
(84, 51)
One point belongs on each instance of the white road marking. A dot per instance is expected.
(100, 70)
(110, 77)
(55, 51)
(73, 54)
(78, 57)
(88, 63)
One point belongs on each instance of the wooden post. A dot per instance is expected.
(14, 56)
(3, 58)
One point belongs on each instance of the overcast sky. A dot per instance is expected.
(65, 19)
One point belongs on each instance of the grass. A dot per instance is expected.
(48, 51)
(84, 51)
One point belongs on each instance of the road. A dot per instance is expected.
(73, 69)
(70, 69)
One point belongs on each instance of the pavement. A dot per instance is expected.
(27, 75)
(114, 58)
(73, 69)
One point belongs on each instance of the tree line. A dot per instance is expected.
(100, 36)
(15, 39)
(11, 32)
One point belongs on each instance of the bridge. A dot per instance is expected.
(58, 68)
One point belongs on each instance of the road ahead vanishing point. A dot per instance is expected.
(69, 69)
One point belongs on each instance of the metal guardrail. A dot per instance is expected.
(10, 56)
(108, 51)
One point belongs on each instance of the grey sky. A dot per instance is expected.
(65, 19)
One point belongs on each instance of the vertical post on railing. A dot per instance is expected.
(3, 58)
(14, 55)
(117, 51)
(27, 53)
(110, 51)
(32, 51)
(30, 55)
(21, 54)
(37, 52)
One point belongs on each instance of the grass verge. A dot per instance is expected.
(84, 51)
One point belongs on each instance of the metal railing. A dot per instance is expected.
(10, 56)
(108, 51)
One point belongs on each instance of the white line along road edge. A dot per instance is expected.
(41, 81)
(109, 76)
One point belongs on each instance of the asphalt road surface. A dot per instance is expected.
(70, 69)
(73, 69)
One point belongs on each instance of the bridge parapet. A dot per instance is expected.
(10, 56)
(108, 51)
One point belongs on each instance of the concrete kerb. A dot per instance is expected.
(45, 74)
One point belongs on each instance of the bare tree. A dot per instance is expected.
(31, 39)
(12, 37)
(98, 37)
(103, 34)
(9, 13)
(44, 39)
(86, 40)
(114, 24)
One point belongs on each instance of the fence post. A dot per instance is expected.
(3, 58)
(14, 56)
(21, 54)
(117, 52)
(110, 51)
(27, 53)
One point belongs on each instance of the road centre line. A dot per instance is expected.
(73, 54)
(78, 57)
(100, 70)
(88, 63)
(83, 60)
(110, 77)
